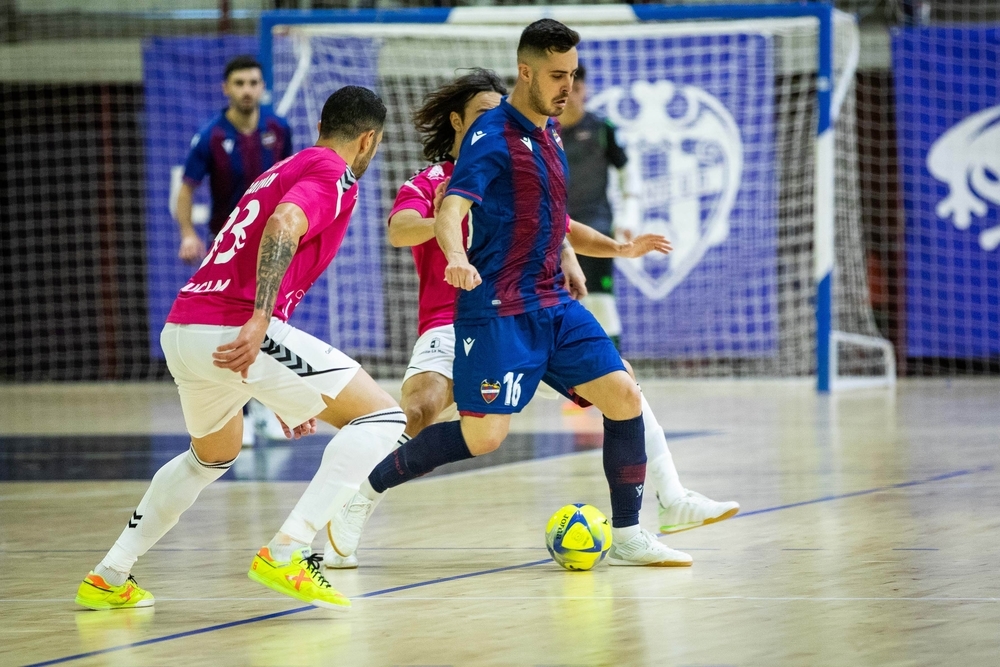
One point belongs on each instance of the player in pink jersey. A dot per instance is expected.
(427, 384)
(442, 121)
(227, 340)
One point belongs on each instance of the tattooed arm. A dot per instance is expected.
(277, 247)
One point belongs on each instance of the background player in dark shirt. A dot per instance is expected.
(593, 153)
(235, 147)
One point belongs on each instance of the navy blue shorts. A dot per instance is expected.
(500, 361)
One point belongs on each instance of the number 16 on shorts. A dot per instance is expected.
(513, 389)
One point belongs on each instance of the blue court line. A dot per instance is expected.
(479, 573)
(867, 492)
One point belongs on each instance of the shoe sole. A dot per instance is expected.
(333, 543)
(669, 563)
(341, 567)
(670, 530)
(295, 594)
(110, 607)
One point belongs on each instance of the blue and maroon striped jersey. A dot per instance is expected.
(515, 174)
(233, 160)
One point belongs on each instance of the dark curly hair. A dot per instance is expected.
(433, 119)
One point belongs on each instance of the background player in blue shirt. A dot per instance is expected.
(516, 324)
(235, 147)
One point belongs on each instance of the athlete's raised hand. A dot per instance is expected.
(239, 355)
(460, 273)
(645, 244)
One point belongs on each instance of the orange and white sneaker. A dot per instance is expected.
(300, 578)
(96, 593)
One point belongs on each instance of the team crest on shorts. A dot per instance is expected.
(490, 389)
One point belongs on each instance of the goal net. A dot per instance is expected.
(719, 119)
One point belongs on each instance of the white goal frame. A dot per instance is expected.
(830, 93)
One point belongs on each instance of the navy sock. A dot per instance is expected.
(434, 446)
(625, 468)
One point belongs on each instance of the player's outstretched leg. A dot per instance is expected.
(679, 508)
(619, 399)
(435, 446)
(370, 425)
(425, 394)
(174, 488)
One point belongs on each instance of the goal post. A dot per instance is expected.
(776, 238)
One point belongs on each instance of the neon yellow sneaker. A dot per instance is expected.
(300, 578)
(96, 593)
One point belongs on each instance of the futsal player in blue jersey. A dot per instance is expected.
(236, 146)
(516, 325)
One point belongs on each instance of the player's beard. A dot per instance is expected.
(361, 162)
(539, 104)
(247, 105)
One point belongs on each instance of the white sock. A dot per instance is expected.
(623, 535)
(281, 547)
(174, 488)
(659, 463)
(347, 461)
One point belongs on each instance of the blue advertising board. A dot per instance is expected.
(948, 132)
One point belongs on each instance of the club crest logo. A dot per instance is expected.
(687, 146)
(966, 158)
(268, 139)
(489, 389)
(557, 138)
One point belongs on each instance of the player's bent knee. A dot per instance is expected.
(628, 368)
(419, 415)
(627, 403)
(483, 445)
(484, 434)
(222, 445)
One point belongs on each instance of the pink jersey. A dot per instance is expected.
(224, 288)
(437, 298)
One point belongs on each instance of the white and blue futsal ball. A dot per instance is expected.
(578, 536)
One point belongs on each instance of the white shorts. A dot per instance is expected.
(290, 376)
(434, 352)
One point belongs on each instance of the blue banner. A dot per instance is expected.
(948, 132)
(183, 90)
(696, 117)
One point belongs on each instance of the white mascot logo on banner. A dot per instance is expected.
(688, 148)
(966, 158)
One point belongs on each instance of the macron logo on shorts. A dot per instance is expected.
(468, 343)
(476, 137)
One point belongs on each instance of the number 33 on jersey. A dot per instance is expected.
(223, 289)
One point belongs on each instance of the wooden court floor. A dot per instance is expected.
(869, 536)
